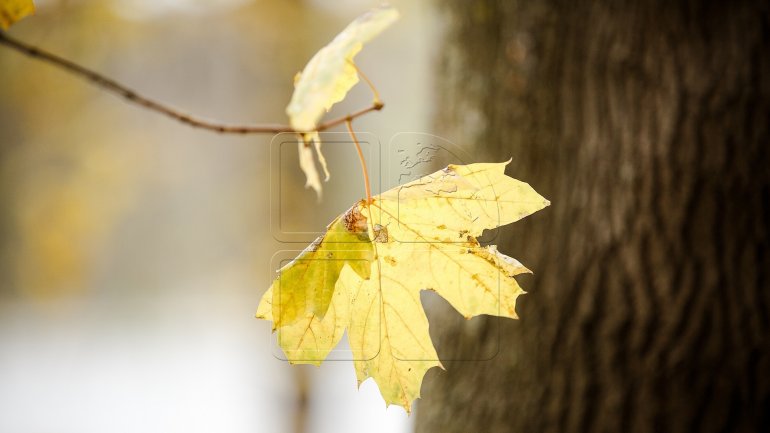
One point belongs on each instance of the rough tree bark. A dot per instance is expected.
(648, 127)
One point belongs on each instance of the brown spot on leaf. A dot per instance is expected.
(380, 234)
(354, 221)
(390, 260)
(449, 169)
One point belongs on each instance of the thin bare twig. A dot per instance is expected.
(132, 96)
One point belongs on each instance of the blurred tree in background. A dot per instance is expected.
(647, 125)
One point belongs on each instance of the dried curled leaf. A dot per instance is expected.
(422, 237)
(14, 10)
(305, 146)
(330, 74)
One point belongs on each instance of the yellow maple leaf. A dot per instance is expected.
(330, 74)
(14, 10)
(422, 237)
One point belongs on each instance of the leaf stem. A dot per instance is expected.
(369, 83)
(368, 188)
(130, 95)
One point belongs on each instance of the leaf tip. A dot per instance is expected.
(307, 164)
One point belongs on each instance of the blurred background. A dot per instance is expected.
(134, 249)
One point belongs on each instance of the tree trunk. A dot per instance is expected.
(647, 126)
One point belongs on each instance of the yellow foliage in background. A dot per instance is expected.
(14, 10)
(63, 212)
